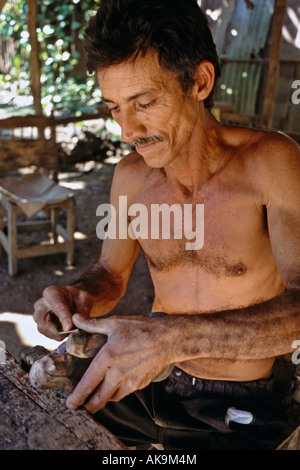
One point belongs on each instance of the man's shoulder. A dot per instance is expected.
(271, 161)
(274, 143)
(131, 173)
(132, 162)
(265, 149)
(132, 165)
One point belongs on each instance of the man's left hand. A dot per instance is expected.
(136, 352)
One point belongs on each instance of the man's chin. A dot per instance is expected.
(152, 155)
(154, 161)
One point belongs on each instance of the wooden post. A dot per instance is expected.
(2, 3)
(12, 239)
(274, 65)
(35, 65)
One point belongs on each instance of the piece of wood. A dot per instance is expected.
(12, 240)
(27, 152)
(292, 442)
(274, 65)
(25, 121)
(9, 240)
(254, 120)
(221, 107)
(35, 64)
(43, 121)
(39, 420)
(2, 3)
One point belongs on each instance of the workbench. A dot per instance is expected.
(33, 419)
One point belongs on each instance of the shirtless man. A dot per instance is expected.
(232, 306)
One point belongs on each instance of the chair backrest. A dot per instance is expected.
(22, 144)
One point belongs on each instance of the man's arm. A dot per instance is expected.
(98, 290)
(139, 348)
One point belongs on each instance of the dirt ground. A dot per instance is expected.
(91, 182)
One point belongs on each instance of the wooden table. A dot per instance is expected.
(32, 419)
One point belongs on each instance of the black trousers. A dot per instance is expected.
(185, 413)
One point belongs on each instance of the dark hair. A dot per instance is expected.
(176, 29)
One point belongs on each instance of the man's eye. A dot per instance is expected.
(146, 105)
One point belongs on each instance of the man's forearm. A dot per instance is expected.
(261, 331)
(106, 288)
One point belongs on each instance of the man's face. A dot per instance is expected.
(148, 104)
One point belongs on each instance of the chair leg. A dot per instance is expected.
(54, 222)
(71, 222)
(12, 239)
(2, 215)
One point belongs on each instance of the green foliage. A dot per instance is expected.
(61, 24)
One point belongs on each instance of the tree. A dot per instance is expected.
(60, 25)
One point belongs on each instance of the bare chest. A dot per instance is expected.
(222, 231)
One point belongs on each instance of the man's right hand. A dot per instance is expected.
(54, 311)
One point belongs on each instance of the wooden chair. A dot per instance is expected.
(23, 195)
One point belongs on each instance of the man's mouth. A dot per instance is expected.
(143, 143)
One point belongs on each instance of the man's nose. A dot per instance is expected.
(131, 126)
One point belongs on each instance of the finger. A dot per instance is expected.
(40, 308)
(50, 326)
(60, 306)
(113, 388)
(106, 392)
(93, 325)
(88, 383)
(44, 319)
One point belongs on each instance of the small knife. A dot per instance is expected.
(75, 330)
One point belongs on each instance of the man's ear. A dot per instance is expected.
(204, 80)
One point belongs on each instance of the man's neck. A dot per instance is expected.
(203, 157)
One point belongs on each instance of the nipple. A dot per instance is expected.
(240, 269)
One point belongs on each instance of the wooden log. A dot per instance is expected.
(39, 420)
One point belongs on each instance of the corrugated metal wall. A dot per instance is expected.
(242, 37)
(242, 51)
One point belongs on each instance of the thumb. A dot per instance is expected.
(92, 325)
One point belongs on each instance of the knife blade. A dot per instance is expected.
(74, 330)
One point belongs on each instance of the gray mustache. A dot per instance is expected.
(146, 140)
